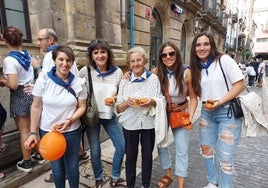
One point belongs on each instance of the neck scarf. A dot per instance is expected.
(141, 79)
(51, 48)
(206, 65)
(52, 75)
(170, 73)
(108, 72)
(24, 59)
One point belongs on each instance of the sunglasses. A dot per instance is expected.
(170, 54)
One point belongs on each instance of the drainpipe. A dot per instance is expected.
(131, 6)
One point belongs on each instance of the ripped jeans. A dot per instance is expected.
(219, 137)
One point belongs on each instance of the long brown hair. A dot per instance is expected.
(194, 60)
(178, 69)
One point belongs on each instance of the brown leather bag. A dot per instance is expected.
(177, 114)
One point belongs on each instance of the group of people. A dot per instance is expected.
(255, 71)
(137, 114)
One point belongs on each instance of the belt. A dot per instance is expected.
(182, 103)
(203, 102)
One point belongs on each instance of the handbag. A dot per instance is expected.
(235, 104)
(91, 116)
(178, 118)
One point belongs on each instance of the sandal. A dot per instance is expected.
(49, 179)
(84, 156)
(99, 183)
(164, 182)
(118, 183)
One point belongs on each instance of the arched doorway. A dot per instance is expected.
(183, 44)
(156, 38)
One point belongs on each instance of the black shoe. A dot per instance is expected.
(25, 165)
(99, 183)
(36, 157)
(118, 183)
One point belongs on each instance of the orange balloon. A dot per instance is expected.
(52, 146)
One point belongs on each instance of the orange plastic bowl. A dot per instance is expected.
(52, 146)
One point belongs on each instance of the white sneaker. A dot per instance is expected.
(210, 185)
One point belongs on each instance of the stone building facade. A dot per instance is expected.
(146, 23)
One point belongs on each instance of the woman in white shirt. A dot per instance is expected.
(106, 77)
(219, 129)
(18, 71)
(138, 125)
(60, 99)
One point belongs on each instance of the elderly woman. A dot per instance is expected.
(60, 99)
(136, 97)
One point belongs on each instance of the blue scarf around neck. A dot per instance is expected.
(51, 48)
(24, 58)
(170, 73)
(141, 79)
(108, 72)
(206, 65)
(52, 75)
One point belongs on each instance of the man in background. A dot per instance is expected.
(255, 65)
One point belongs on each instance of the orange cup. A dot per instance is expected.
(209, 104)
(136, 102)
(109, 100)
(143, 100)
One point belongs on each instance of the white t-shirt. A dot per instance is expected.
(58, 103)
(213, 85)
(48, 63)
(174, 91)
(103, 88)
(12, 66)
(261, 68)
(250, 71)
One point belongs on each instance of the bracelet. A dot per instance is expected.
(38, 68)
(33, 133)
(71, 120)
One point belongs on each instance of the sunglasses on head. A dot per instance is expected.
(171, 54)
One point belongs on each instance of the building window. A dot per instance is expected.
(156, 38)
(15, 13)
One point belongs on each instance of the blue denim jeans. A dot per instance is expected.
(181, 141)
(114, 130)
(221, 135)
(68, 164)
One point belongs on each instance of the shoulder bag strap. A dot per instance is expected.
(89, 81)
(168, 100)
(223, 74)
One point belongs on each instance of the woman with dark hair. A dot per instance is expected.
(219, 129)
(175, 79)
(105, 78)
(18, 71)
(59, 102)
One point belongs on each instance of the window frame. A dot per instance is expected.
(3, 20)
